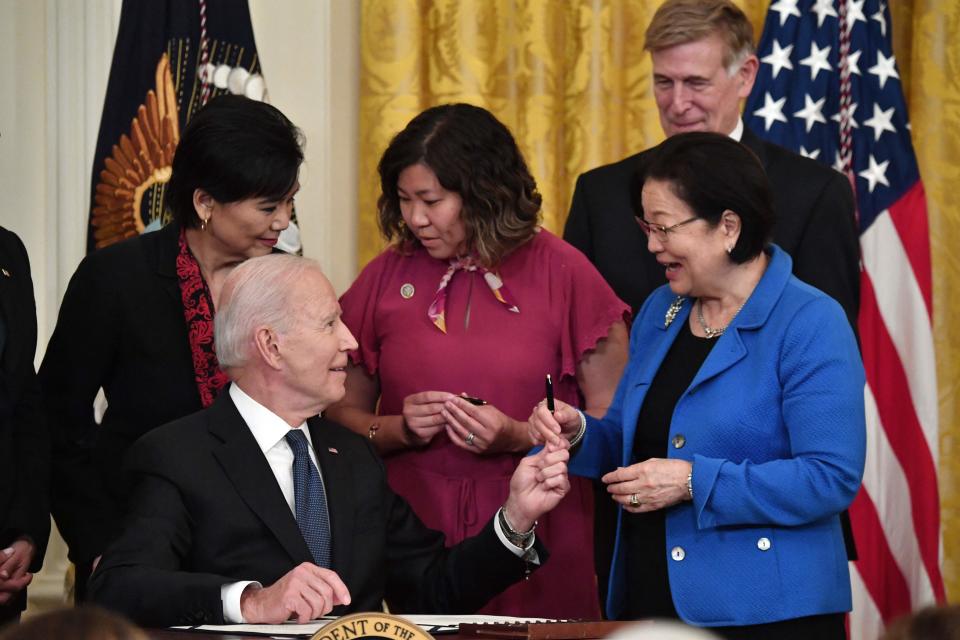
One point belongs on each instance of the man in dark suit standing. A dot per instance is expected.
(703, 66)
(24, 444)
(259, 510)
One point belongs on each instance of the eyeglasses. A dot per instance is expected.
(661, 232)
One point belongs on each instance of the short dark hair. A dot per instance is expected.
(712, 173)
(473, 154)
(234, 148)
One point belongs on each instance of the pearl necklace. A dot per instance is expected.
(710, 332)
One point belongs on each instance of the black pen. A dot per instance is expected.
(550, 404)
(477, 402)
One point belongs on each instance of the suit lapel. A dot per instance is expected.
(648, 368)
(339, 490)
(728, 351)
(730, 348)
(162, 255)
(751, 141)
(248, 470)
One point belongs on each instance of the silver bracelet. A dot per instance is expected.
(580, 432)
(517, 538)
(690, 483)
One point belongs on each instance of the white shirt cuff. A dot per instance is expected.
(230, 597)
(528, 553)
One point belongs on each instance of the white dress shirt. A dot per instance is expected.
(269, 430)
(737, 133)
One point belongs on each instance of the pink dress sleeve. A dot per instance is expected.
(591, 307)
(359, 305)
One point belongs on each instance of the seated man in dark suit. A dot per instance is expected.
(703, 65)
(24, 444)
(259, 510)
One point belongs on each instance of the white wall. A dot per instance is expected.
(310, 52)
(54, 63)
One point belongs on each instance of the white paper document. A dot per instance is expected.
(432, 624)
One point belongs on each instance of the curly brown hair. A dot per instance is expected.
(473, 154)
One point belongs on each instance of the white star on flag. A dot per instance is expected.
(853, 62)
(838, 163)
(853, 121)
(885, 68)
(823, 8)
(817, 60)
(875, 173)
(855, 13)
(785, 8)
(771, 111)
(812, 112)
(881, 121)
(813, 155)
(779, 58)
(881, 18)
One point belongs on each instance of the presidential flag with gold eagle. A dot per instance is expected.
(170, 58)
(829, 88)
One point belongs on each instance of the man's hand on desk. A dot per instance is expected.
(305, 593)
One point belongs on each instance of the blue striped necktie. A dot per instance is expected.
(310, 499)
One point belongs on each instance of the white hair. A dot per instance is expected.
(259, 292)
(661, 630)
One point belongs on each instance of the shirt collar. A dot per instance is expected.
(267, 427)
(737, 133)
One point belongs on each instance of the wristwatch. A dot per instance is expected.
(520, 539)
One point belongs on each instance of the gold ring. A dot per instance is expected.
(634, 500)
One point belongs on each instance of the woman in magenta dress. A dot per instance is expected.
(473, 298)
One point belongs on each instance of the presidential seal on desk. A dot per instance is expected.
(371, 625)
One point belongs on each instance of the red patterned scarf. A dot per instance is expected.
(198, 312)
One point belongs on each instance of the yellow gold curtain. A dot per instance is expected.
(572, 82)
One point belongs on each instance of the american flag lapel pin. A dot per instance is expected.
(333, 450)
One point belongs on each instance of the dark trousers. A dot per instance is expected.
(81, 575)
(829, 626)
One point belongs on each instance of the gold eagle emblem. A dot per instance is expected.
(142, 159)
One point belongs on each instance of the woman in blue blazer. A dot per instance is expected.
(736, 435)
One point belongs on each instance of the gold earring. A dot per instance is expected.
(203, 224)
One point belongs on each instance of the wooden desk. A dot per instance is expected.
(167, 634)
(551, 631)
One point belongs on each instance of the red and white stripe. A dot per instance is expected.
(205, 76)
(896, 516)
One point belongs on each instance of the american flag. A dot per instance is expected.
(828, 87)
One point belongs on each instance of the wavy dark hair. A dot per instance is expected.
(712, 173)
(234, 148)
(475, 155)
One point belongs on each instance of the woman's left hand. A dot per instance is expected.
(657, 483)
(483, 429)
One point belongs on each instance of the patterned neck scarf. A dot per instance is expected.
(437, 309)
(198, 312)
